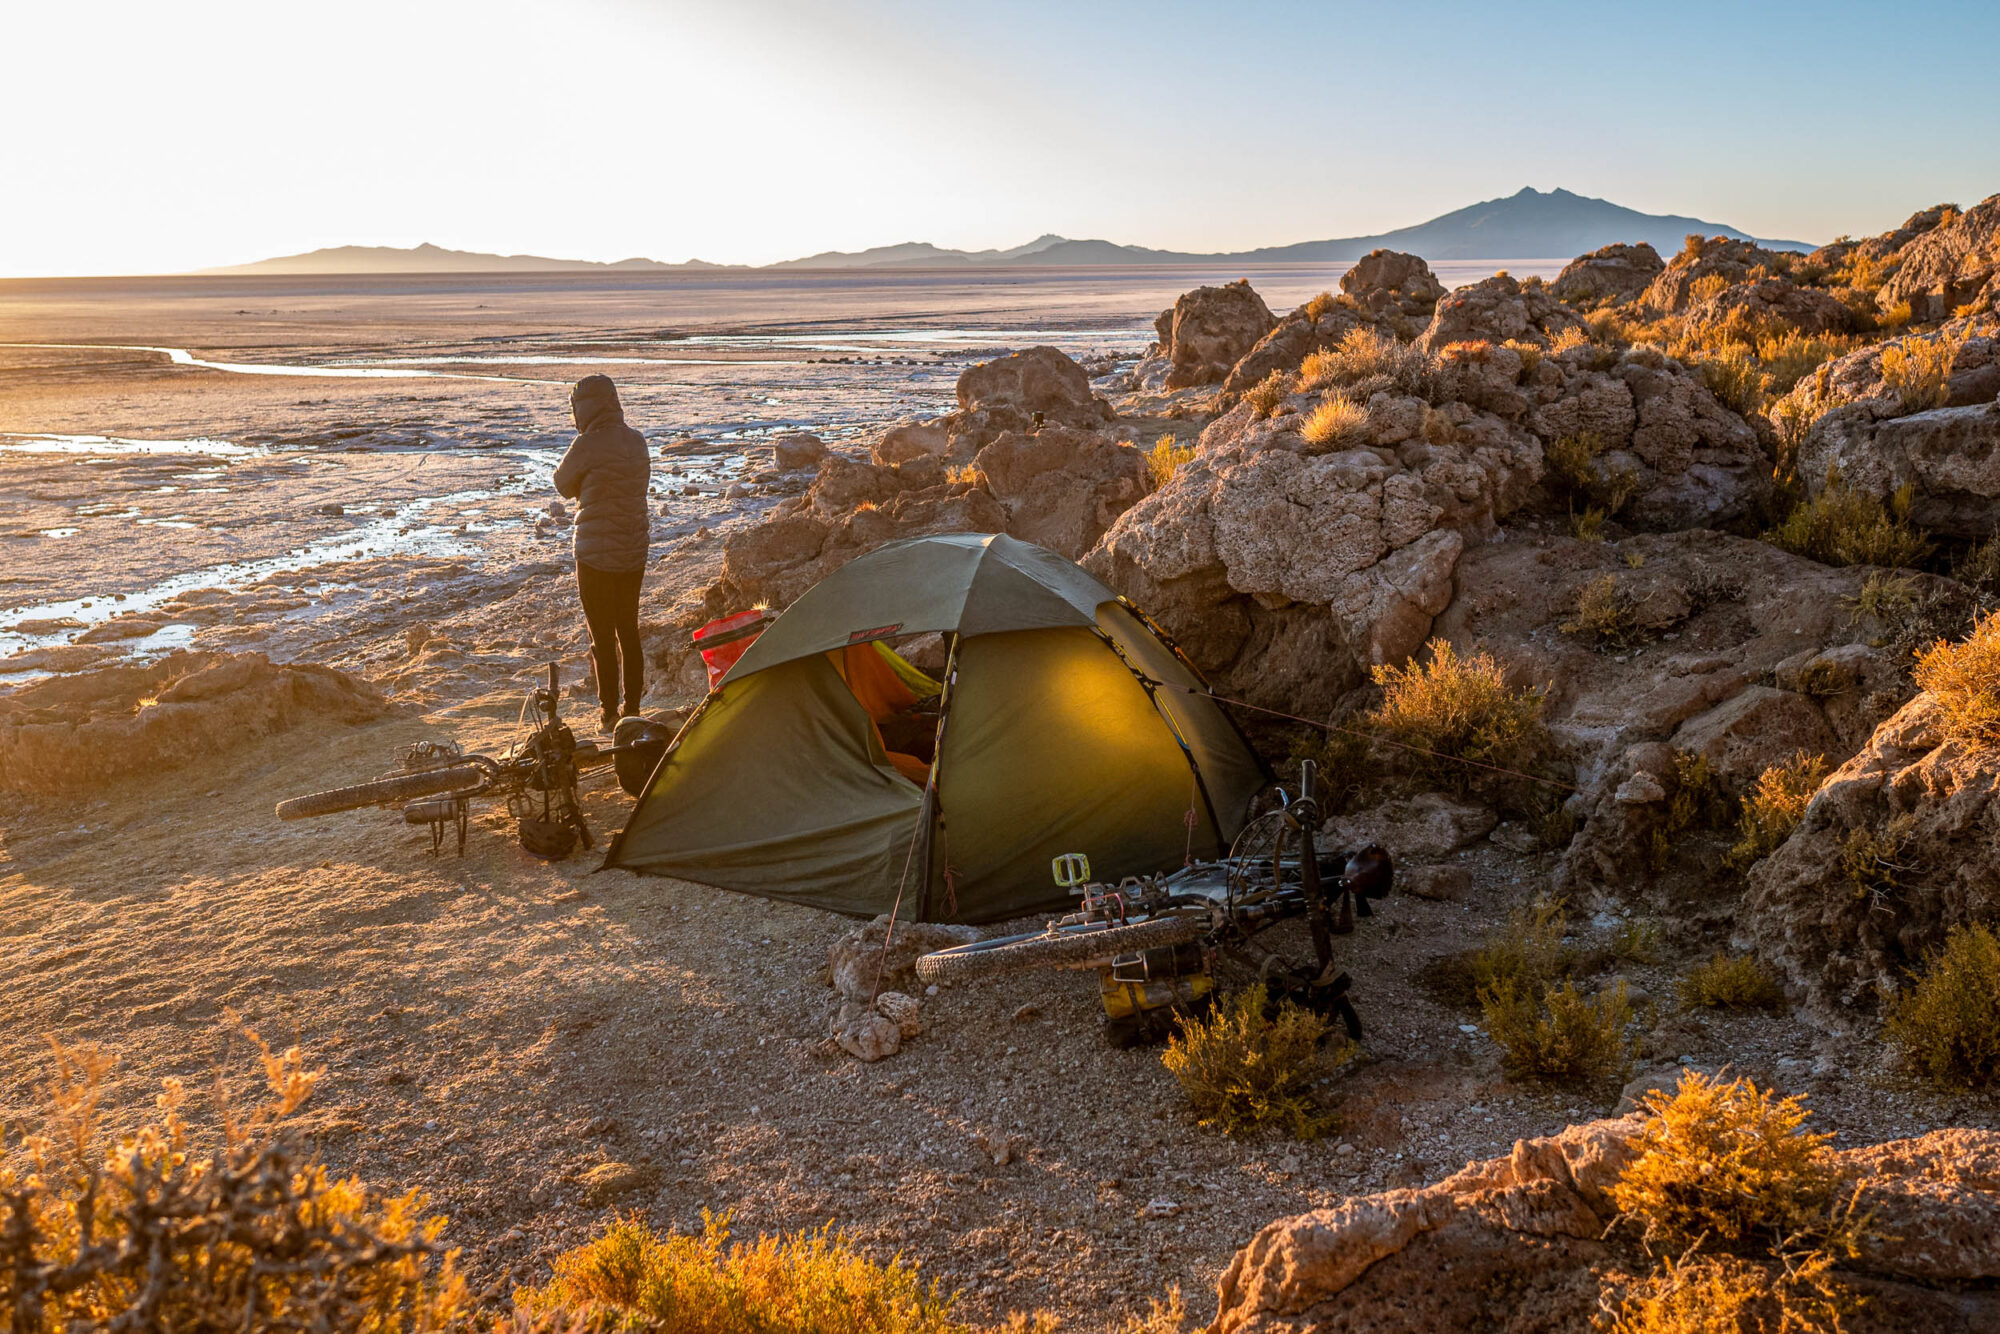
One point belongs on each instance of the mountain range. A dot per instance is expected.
(1530, 224)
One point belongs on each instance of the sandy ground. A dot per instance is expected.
(493, 1026)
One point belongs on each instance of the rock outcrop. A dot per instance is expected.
(1312, 327)
(1389, 282)
(1673, 292)
(1282, 568)
(1061, 487)
(1714, 636)
(70, 733)
(1900, 843)
(1207, 331)
(1495, 310)
(1951, 265)
(1948, 457)
(1613, 274)
(1525, 1245)
(909, 440)
(1773, 305)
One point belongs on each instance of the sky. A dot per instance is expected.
(149, 137)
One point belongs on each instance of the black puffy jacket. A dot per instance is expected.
(605, 470)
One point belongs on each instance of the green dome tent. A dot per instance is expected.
(1051, 739)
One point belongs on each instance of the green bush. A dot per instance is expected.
(1948, 1025)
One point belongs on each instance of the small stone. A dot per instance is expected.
(1026, 1012)
(931, 990)
(606, 1182)
(1641, 789)
(864, 1033)
(558, 511)
(1443, 884)
(1343, 1149)
(1159, 1209)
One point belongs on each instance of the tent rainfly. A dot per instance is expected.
(1051, 735)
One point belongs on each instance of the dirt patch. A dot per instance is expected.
(68, 733)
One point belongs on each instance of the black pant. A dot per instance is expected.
(611, 610)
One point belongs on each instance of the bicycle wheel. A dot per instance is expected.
(381, 792)
(1082, 945)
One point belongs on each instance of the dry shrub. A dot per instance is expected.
(1707, 286)
(1894, 318)
(1165, 458)
(1526, 953)
(1579, 473)
(632, 1276)
(150, 1233)
(1701, 1294)
(1964, 679)
(1568, 340)
(1732, 374)
(964, 474)
(1561, 1036)
(1919, 370)
(1362, 353)
(1320, 305)
(1589, 525)
(1337, 423)
(1603, 615)
(1249, 1063)
(1268, 394)
(1728, 1166)
(1948, 1025)
(1529, 353)
(1790, 356)
(1637, 942)
(1453, 709)
(1723, 983)
(1774, 807)
(1699, 802)
(1979, 566)
(1844, 527)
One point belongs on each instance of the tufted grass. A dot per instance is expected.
(1165, 458)
(1336, 423)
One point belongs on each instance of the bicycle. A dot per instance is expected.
(1156, 940)
(537, 777)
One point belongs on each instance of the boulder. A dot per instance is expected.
(1062, 487)
(1005, 394)
(797, 452)
(1613, 274)
(1384, 281)
(1528, 1246)
(860, 969)
(1673, 292)
(1495, 310)
(1845, 933)
(910, 440)
(1950, 265)
(1208, 330)
(1949, 458)
(72, 733)
(1426, 827)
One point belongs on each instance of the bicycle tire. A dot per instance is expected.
(1077, 946)
(403, 787)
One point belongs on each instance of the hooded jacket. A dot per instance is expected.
(606, 470)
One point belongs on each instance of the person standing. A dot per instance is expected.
(606, 470)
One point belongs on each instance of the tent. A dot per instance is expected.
(1051, 735)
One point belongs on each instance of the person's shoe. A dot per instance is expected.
(610, 721)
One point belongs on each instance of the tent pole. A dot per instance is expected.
(1158, 631)
(931, 813)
